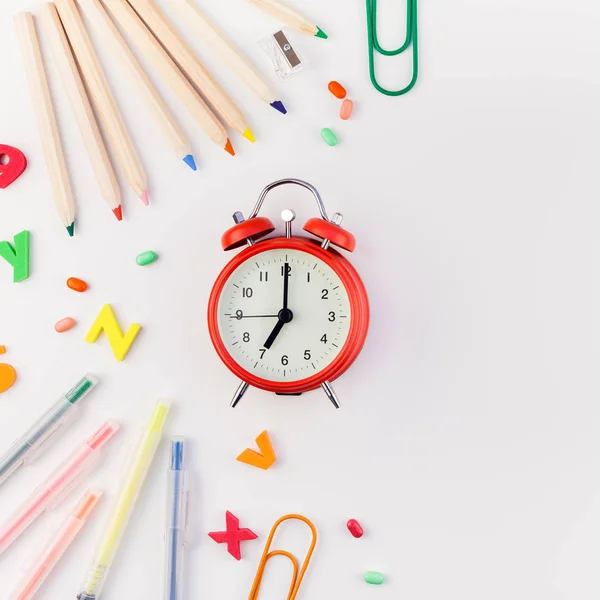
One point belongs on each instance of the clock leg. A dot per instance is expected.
(330, 393)
(239, 393)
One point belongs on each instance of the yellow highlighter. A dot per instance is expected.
(119, 517)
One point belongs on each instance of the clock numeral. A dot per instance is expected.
(239, 315)
(262, 352)
(331, 316)
(307, 355)
(289, 270)
(284, 359)
(264, 276)
(324, 294)
(246, 337)
(247, 292)
(323, 338)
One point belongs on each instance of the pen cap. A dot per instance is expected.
(83, 460)
(30, 445)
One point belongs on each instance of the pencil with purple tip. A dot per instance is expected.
(228, 53)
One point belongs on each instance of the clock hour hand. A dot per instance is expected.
(285, 316)
(278, 327)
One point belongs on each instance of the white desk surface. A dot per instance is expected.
(468, 442)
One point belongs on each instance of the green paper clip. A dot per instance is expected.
(375, 46)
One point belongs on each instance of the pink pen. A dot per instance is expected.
(43, 566)
(58, 485)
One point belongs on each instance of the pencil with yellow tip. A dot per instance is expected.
(290, 17)
(191, 66)
(119, 517)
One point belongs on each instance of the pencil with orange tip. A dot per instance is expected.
(46, 119)
(170, 72)
(169, 127)
(82, 109)
(106, 105)
(191, 66)
(228, 53)
(289, 16)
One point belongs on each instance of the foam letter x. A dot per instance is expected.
(233, 536)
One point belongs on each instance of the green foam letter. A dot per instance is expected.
(17, 256)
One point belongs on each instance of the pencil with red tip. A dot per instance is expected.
(82, 109)
(228, 53)
(105, 103)
(290, 17)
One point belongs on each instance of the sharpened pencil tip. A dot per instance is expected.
(190, 162)
(118, 212)
(229, 147)
(71, 229)
(320, 33)
(278, 105)
(249, 135)
(144, 197)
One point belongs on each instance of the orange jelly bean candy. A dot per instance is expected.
(77, 284)
(337, 89)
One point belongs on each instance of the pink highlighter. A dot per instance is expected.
(56, 488)
(58, 545)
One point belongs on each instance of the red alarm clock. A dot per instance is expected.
(288, 314)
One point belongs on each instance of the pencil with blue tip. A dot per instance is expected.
(167, 124)
(46, 120)
(183, 55)
(228, 53)
(290, 17)
(128, 19)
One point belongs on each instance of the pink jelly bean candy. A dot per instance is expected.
(346, 109)
(64, 325)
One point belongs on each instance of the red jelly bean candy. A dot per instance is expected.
(77, 284)
(354, 528)
(337, 89)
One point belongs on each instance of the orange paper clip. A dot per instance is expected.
(299, 573)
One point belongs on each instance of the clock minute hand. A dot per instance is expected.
(285, 314)
(286, 279)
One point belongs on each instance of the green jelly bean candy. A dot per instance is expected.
(374, 577)
(329, 137)
(146, 258)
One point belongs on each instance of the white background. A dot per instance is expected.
(468, 442)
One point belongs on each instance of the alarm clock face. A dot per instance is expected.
(284, 315)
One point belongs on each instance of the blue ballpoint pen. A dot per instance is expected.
(176, 521)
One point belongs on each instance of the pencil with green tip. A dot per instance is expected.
(46, 119)
(121, 512)
(290, 17)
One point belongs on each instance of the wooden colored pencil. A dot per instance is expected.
(84, 115)
(228, 53)
(167, 124)
(46, 119)
(103, 99)
(191, 65)
(289, 16)
(149, 45)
